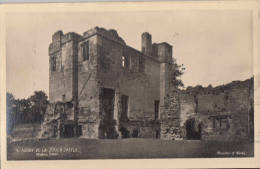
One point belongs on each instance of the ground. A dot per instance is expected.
(74, 148)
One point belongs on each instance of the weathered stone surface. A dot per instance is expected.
(145, 78)
(232, 103)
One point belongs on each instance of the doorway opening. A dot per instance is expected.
(191, 132)
(68, 130)
(124, 105)
(107, 125)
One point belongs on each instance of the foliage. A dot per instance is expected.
(30, 110)
(39, 105)
(10, 105)
(176, 72)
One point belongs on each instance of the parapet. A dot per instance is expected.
(109, 34)
(58, 38)
(71, 36)
(162, 52)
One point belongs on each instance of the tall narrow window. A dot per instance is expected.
(85, 50)
(63, 97)
(53, 63)
(156, 109)
(143, 49)
(124, 102)
(123, 61)
(80, 130)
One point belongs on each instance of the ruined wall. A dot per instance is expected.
(139, 80)
(230, 105)
(142, 87)
(170, 117)
(140, 129)
(144, 79)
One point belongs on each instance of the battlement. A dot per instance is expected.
(58, 38)
(109, 34)
(161, 52)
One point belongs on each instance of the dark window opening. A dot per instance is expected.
(85, 51)
(157, 134)
(156, 109)
(143, 49)
(220, 123)
(53, 64)
(124, 104)
(80, 130)
(63, 97)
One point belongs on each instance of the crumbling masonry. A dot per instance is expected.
(102, 88)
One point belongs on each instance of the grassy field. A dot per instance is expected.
(125, 148)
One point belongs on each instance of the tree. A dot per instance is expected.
(176, 72)
(30, 110)
(10, 112)
(39, 102)
(23, 111)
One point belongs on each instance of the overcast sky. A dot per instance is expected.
(214, 46)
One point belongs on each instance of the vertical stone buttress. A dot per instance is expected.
(169, 98)
(165, 58)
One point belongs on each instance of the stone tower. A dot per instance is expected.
(63, 71)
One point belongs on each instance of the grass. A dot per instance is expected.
(125, 148)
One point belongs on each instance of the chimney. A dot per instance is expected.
(146, 44)
(164, 52)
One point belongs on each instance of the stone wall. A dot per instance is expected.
(139, 129)
(139, 79)
(223, 113)
(170, 117)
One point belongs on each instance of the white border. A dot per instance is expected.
(133, 6)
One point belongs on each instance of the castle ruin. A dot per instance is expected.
(99, 87)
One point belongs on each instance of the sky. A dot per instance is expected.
(215, 46)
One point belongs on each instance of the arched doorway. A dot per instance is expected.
(191, 132)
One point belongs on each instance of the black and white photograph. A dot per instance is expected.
(129, 84)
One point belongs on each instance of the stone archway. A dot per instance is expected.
(193, 132)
